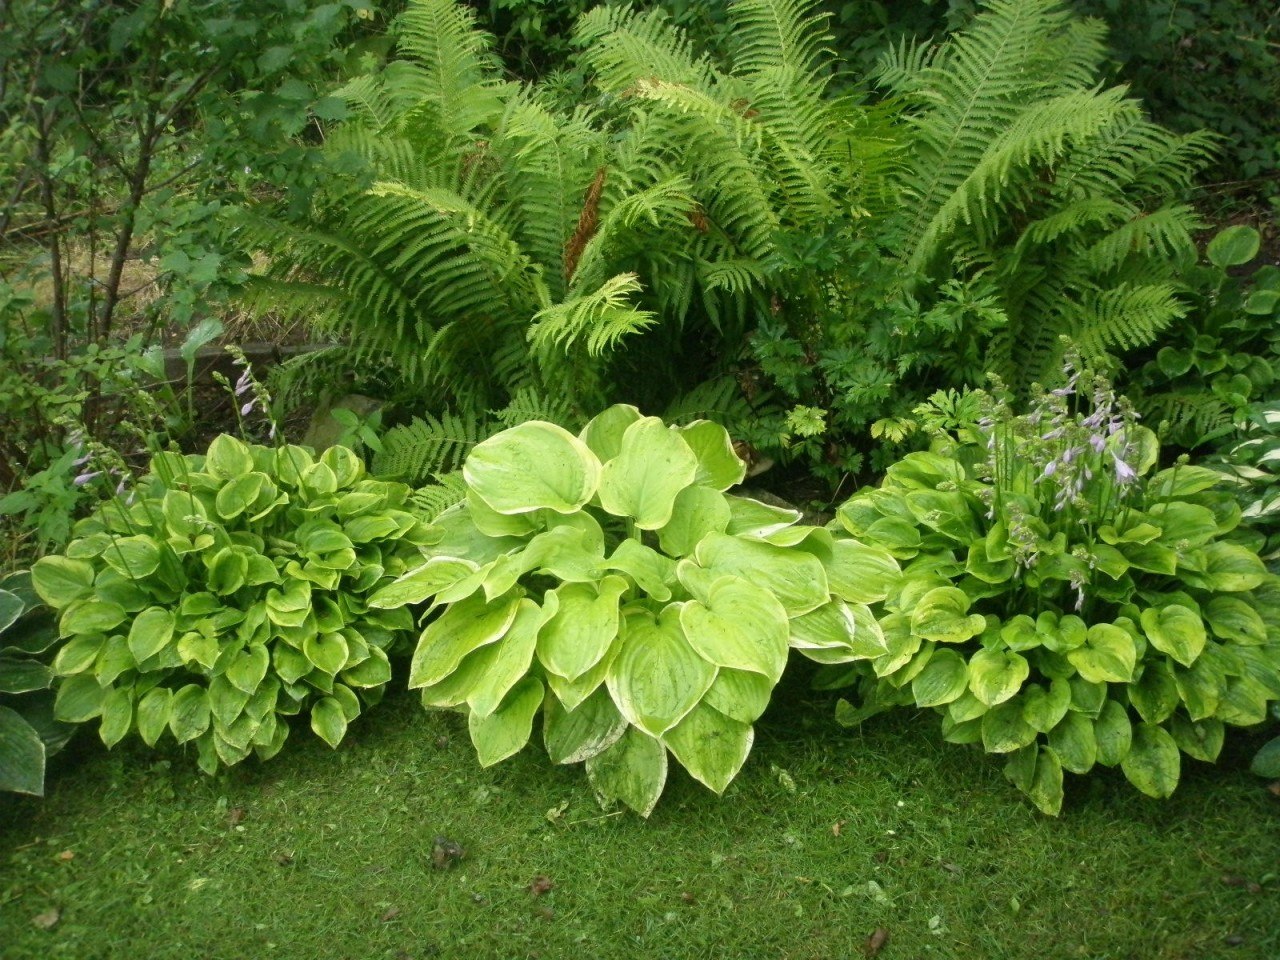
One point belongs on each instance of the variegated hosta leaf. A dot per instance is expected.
(632, 771)
(582, 628)
(603, 433)
(711, 746)
(719, 467)
(657, 677)
(465, 626)
(593, 726)
(697, 512)
(796, 578)
(533, 466)
(506, 730)
(422, 582)
(740, 626)
(652, 466)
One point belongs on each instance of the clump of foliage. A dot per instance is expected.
(227, 593)
(1224, 356)
(1059, 603)
(608, 582)
(1252, 465)
(28, 732)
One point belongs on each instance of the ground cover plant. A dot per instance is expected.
(1062, 604)
(228, 592)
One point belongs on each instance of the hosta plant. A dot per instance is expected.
(607, 583)
(1062, 604)
(28, 732)
(229, 593)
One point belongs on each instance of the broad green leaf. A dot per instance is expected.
(1153, 763)
(328, 652)
(117, 715)
(78, 654)
(506, 730)
(199, 648)
(1201, 740)
(133, 557)
(249, 667)
(860, 573)
(228, 571)
(603, 432)
(741, 627)
(719, 467)
(711, 746)
(572, 736)
(1073, 740)
(697, 511)
(1113, 733)
(652, 572)
(1044, 709)
(11, 608)
(652, 466)
(632, 771)
(422, 582)
(1108, 656)
(153, 714)
(1184, 523)
(944, 679)
(463, 627)
(1243, 702)
(226, 701)
(90, 616)
(1227, 567)
(582, 628)
(571, 693)
(509, 659)
(1200, 688)
(1231, 618)
(238, 494)
(228, 457)
(739, 694)
(1266, 763)
(657, 677)
(751, 518)
(189, 713)
(1175, 630)
(1233, 246)
(997, 675)
(79, 699)
(939, 615)
(24, 676)
(1004, 730)
(114, 659)
(827, 634)
(151, 632)
(533, 466)
(796, 578)
(1155, 694)
(1037, 772)
(22, 755)
(494, 524)
(329, 721)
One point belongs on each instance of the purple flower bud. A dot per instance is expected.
(1098, 442)
(247, 408)
(1124, 472)
(84, 478)
(1050, 469)
(81, 461)
(243, 384)
(120, 488)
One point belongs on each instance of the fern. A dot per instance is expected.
(439, 495)
(427, 446)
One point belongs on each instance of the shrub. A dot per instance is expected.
(229, 593)
(607, 581)
(1059, 604)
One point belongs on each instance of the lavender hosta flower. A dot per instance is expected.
(244, 384)
(80, 461)
(248, 408)
(84, 478)
(1077, 581)
(1125, 474)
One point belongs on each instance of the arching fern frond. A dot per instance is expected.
(427, 446)
(596, 321)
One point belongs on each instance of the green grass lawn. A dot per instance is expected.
(827, 835)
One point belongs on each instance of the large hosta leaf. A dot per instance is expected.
(575, 735)
(506, 730)
(657, 677)
(533, 466)
(740, 626)
(711, 746)
(719, 466)
(653, 465)
(463, 627)
(1108, 655)
(582, 627)
(796, 578)
(633, 771)
(697, 512)
(1175, 630)
(860, 573)
(1153, 762)
(22, 755)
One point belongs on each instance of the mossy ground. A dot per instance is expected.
(827, 835)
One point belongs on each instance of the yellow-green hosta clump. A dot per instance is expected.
(607, 583)
(229, 593)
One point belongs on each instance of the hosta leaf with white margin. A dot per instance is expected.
(658, 676)
(652, 466)
(739, 627)
(234, 576)
(534, 466)
(634, 611)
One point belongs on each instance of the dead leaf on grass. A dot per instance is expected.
(391, 914)
(66, 856)
(445, 853)
(47, 920)
(876, 942)
(837, 827)
(235, 816)
(541, 884)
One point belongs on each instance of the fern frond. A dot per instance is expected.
(528, 404)
(416, 451)
(719, 399)
(770, 35)
(444, 490)
(597, 321)
(621, 46)
(1124, 317)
